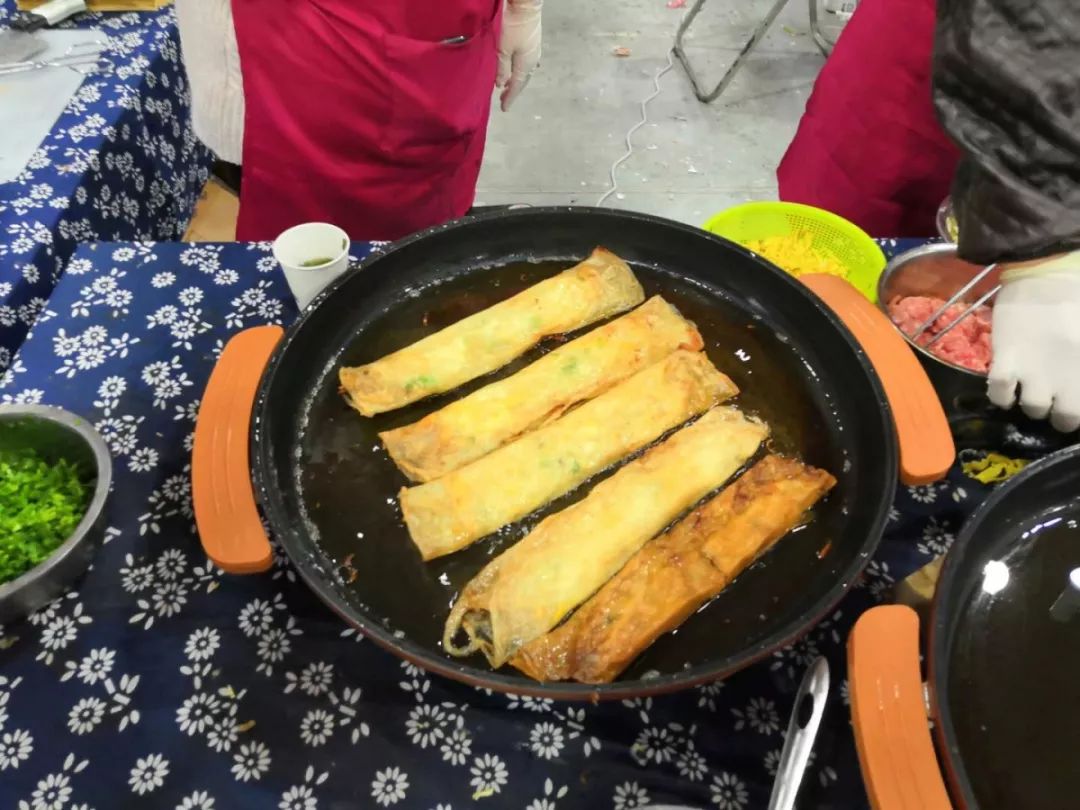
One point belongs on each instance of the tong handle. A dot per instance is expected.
(801, 733)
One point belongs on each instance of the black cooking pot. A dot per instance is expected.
(1004, 656)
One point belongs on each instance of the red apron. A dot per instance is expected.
(361, 113)
(869, 146)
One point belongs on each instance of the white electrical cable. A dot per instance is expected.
(630, 132)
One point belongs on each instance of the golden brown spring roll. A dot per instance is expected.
(451, 512)
(486, 419)
(675, 574)
(530, 587)
(599, 287)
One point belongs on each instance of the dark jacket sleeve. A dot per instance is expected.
(1007, 89)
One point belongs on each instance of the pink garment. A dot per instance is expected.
(869, 146)
(369, 114)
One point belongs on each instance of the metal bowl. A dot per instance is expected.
(935, 270)
(946, 212)
(57, 434)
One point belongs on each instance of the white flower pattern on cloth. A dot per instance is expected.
(246, 688)
(202, 644)
(15, 748)
(924, 493)
(86, 715)
(457, 747)
(317, 727)
(96, 666)
(251, 761)
(629, 796)
(729, 792)
(389, 786)
(148, 774)
(878, 579)
(52, 792)
(488, 775)
(550, 797)
(426, 725)
(314, 679)
(197, 713)
(691, 764)
(936, 538)
(88, 179)
(198, 800)
(759, 715)
(546, 740)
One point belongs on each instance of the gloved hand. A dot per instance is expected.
(1036, 340)
(519, 48)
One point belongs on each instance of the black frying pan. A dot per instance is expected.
(328, 490)
(1004, 660)
(1005, 644)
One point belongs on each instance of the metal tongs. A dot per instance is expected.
(802, 730)
(959, 294)
(85, 57)
(798, 742)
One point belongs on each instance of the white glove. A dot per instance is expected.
(1036, 341)
(519, 48)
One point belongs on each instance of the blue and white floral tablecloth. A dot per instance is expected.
(162, 683)
(121, 163)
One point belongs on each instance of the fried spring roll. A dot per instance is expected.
(453, 511)
(530, 587)
(599, 287)
(496, 414)
(675, 574)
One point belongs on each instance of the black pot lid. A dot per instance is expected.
(1005, 651)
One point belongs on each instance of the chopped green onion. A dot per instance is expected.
(423, 381)
(40, 506)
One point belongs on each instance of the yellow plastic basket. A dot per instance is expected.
(844, 241)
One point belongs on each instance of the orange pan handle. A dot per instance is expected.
(888, 712)
(229, 525)
(927, 450)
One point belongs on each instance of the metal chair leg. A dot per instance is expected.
(825, 45)
(824, 42)
(755, 38)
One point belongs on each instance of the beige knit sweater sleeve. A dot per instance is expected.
(208, 43)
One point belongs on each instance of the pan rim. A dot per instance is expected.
(411, 651)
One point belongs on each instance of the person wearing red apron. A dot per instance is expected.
(869, 146)
(368, 114)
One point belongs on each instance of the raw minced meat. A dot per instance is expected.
(967, 344)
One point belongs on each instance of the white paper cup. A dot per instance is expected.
(299, 251)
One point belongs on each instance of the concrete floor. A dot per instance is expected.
(556, 144)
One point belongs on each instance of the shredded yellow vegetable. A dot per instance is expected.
(993, 468)
(796, 254)
(952, 227)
